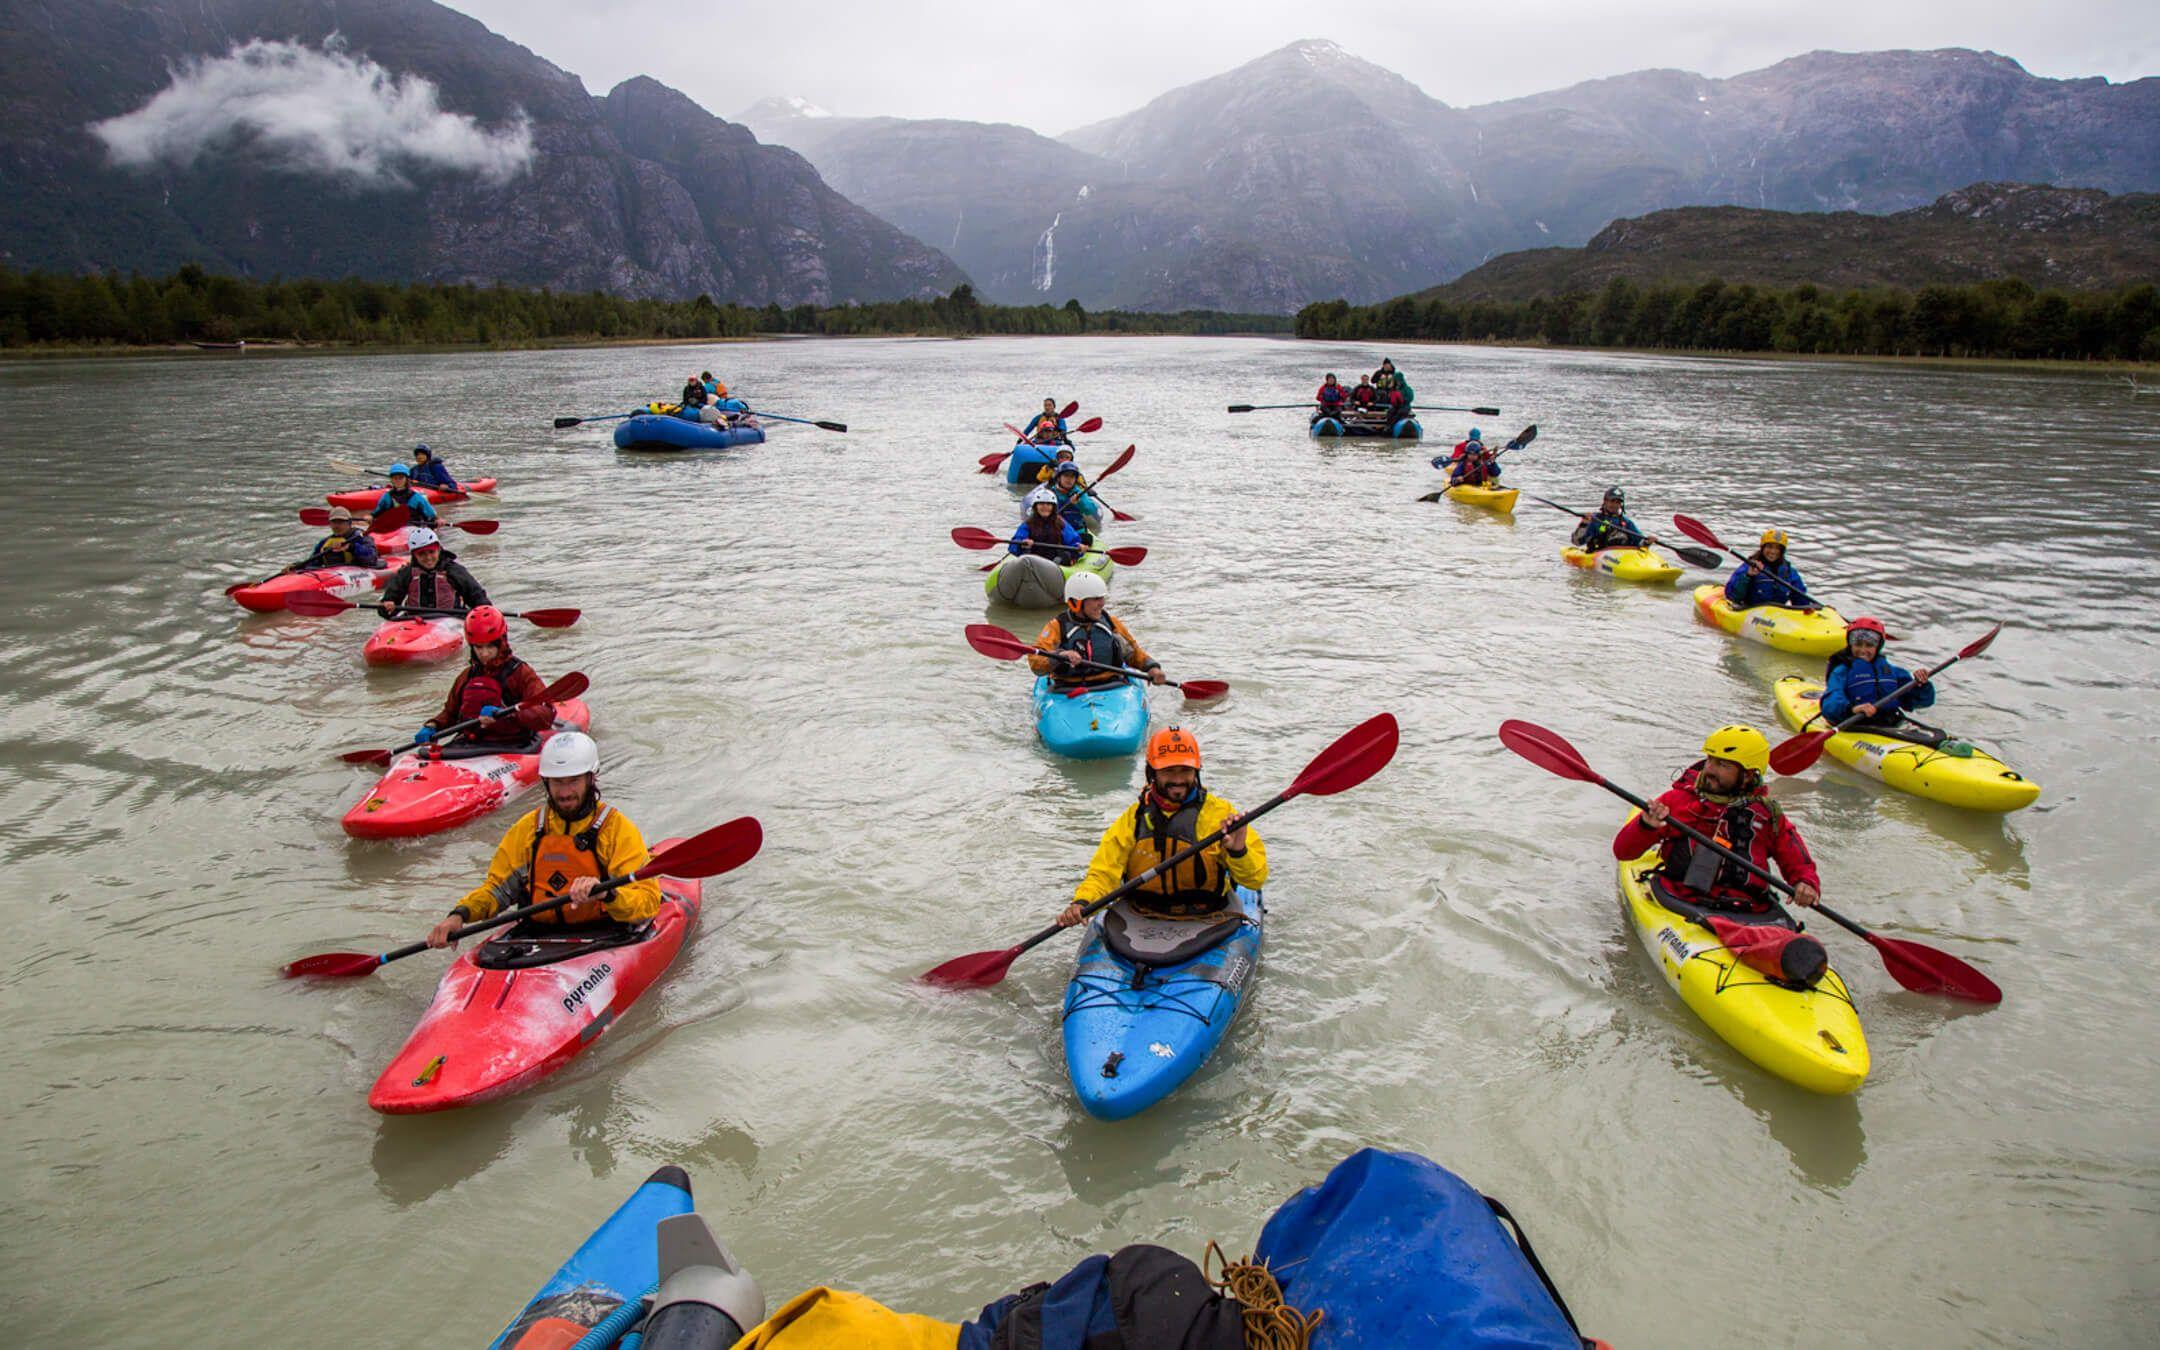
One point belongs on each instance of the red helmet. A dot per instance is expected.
(485, 624)
(1867, 624)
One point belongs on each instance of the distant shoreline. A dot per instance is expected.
(2051, 363)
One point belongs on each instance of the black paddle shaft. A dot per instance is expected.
(504, 919)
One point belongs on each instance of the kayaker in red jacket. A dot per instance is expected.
(1331, 396)
(492, 684)
(1721, 795)
(1364, 396)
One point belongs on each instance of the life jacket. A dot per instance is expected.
(339, 551)
(1707, 872)
(1191, 888)
(1331, 394)
(404, 497)
(482, 689)
(433, 589)
(1364, 395)
(1050, 532)
(1608, 532)
(559, 859)
(1092, 641)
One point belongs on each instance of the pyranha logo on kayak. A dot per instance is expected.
(1676, 944)
(578, 992)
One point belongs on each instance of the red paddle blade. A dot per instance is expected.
(978, 971)
(1356, 755)
(1205, 689)
(551, 618)
(723, 848)
(1116, 514)
(989, 566)
(331, 965)
(990, 464)
(969, 536)
(391, 519)
(569, 686)
(995, 643)
(1797, 754)
(1092, 424)
(314, 515)
(1927, 971)
(1120, 462)
(315, 606)
(477, 526)
(1979, 644)
(381, 757)
(1069, 409)
(1547, 750)
(1129, 557)
(1697, 531)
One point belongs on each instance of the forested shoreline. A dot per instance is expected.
(1994, 320)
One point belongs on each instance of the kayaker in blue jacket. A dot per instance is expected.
(1046, 427)
(1328, 402)
(1044, 531)
(401, 492)
(429, 472)
(1862, 680)
(1767, 578)
(346, 546)
(1610, 526)
(1075, 506)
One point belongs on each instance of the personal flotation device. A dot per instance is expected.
(560, 859)
(1092, 640)
(482, 689)
(432, 588)
(339, 550)
(1200, 884)
(1050, 533)
(1705, 871)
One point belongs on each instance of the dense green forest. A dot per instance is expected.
(1993, 319)
(191, 305)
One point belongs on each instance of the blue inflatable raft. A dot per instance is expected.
(1098, 723)
(1404, 429)
(665, 431)
(1024, 467)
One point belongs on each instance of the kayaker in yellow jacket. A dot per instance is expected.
(569, 845)
(1174, 812)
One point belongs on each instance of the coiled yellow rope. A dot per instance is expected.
(1270, 1323)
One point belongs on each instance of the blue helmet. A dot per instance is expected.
(401, 471)
(422, 450)
(1476, 435)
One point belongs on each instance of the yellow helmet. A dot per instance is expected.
(1744, 746)
(1775, 537)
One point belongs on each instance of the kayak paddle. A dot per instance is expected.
(1703, 534)
(459, 494)
(568, 687)
(320, 515)
(991, 463)
(999, 645)
(1700, 557)
(1797, 754)
(562, 422)
(967, 536)
(1919, 968)
(1089, 487)
(1356, 755)
(324, 604)
(1522, 438)
(1422, 407)
(723, 848)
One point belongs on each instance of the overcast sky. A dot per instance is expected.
(1055, 66)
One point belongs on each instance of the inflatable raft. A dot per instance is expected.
(665, 431)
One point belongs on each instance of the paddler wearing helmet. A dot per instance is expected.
(1174, 811)
(401, 492)
(1609, 526)
(1042, 530)
(572, 843)
(1085, 630)
(347, 545)
(1721, 795)
(494, 686)
(1861, 679)
(1074, 502)
(433, 579)
(1767, 578)
(430, 472)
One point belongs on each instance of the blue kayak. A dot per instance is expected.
(665, 431)
(1099, 723)
(1151, 999)
(618, 1264)
(1024, 467)
(1405, 429)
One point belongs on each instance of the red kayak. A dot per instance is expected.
(364, 499)
(387, 542)
(342, 582)
(520, 1005)
(423, 793)
(403, 641)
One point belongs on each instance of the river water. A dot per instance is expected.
(777, 632)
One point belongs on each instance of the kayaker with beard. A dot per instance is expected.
(1046, 427)
(429, 472)
(1766, 578)
(1861, 679)
(347, 545)
(1086, 631)
(572, 843)
(1609, 526)
(401, 492)
(1043, 531)
(491, 687)
(433, 579)
(1174, 811)
(1722, 796)
(1074, 503)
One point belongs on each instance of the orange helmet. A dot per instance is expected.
(485, 624)
(1173, 747)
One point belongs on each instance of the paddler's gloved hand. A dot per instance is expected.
(1071, 914)
(493, 710)
(424, 735)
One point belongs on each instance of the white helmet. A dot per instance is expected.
(420, 537)
(1085, 585)
(1041, 494)
(568, 754)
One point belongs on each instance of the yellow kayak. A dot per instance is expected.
(1978, 783)
(1491, 498)
(1622, 564)
(1810, 632)
(1810, 1037)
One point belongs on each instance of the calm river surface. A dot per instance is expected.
(777, 632)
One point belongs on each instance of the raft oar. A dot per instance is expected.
(562, 422)
(568, 687)
(968, 536)
(799, 421)
(1700, 557)
(1356, 755)
(320, 516)
(1703, 534)
(999, 645)
(1522, 438)
(319, 606)
(1919, 968)
(723, 848)
(991, 463)
(1796, 754)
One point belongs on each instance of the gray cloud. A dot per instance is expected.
(319, 112)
